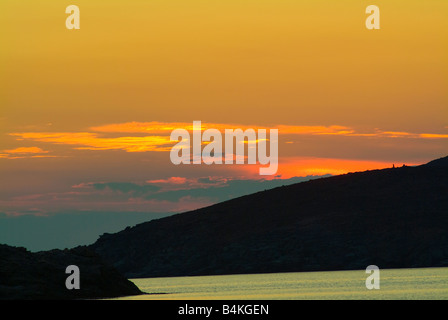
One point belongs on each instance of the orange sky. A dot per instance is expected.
(98, 104)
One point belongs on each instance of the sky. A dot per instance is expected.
(86, 115)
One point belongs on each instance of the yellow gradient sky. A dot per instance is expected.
(73, 102)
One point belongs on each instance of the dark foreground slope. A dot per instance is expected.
(41, 275)
(392, 218)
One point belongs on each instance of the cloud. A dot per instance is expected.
(24, 152)
(433, 136)
(166, 128)
(195, 190)
(154, 127)
(91, 141)
(315, 130)
(223, 189)
(155, 136)
(126, 187)
(181, 183)
(166, 196)
(171, 180)
(209, 180)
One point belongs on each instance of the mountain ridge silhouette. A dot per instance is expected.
(392, 218)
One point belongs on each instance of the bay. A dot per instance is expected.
(395, 284)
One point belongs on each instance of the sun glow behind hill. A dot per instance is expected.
(96, 105)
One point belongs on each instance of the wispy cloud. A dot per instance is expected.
(164, 195)
(92, 141)
(127, 187)
(434, 136)
(24, 152)
(166, 128)
(155, 136)
(156, 127)
(182, 183)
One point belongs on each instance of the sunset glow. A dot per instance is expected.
(98, 104)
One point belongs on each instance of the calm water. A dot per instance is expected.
(429, 283)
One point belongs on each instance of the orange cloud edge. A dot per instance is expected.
(156, 138)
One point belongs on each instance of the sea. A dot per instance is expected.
(393, 284)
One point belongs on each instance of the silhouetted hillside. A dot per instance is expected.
(392, 218)
(41, 275)
(442, 162)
